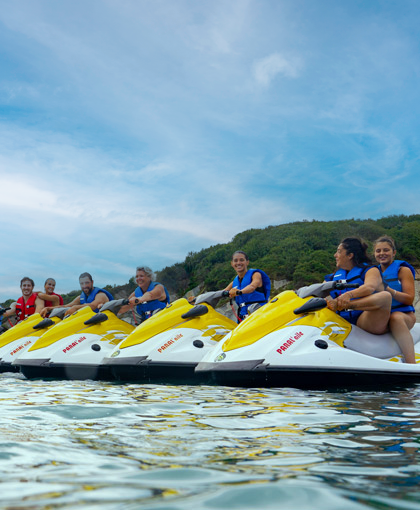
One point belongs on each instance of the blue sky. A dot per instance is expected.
(133, 132)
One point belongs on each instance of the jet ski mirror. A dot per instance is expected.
(311, 306)
(197, 311)
(96, 319)
(211, 298)
(44, 324)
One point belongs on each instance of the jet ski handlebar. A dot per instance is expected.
(114, 305)
(323, 290)
(320, 291)
(211, 298)
(208, 298)
(344, 285)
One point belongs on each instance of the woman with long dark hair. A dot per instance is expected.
(369, 305)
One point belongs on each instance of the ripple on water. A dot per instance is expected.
(87, 444)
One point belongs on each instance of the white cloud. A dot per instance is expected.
(266, 69)
(134, 131)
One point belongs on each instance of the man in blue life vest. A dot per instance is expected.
(90, 296)
(148, 297)
(249, 286)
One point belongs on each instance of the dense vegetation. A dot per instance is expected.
(300, 252)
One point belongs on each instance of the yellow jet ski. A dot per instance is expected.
(75, 347)
(168, 346)
(20, 337)
(295, 341)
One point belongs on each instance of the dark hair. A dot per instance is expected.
(27, 279)
(358, 248)
(386, 239)
(242, 252)
(86, 275)
(49, 279)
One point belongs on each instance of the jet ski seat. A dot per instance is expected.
(377, 346)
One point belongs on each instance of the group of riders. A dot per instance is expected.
(148, 297)
(382, 302)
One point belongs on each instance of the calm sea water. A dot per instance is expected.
(96, 445)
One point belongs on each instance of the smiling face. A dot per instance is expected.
(49, 286)
(240, 263)
(384, 253)
(86, 284)
(26, 288)
(343, 260)
(143, 280)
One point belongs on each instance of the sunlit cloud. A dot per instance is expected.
(266, 69)
(141, 131)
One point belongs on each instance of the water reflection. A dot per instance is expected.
(73, 444)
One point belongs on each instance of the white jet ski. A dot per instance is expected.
(75, 347)
(18, 339)
(168, 346)
(295, 341)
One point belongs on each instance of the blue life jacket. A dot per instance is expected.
(145, 310)
(356, 275)
(390, 277)
(89, 299)
(244, 300)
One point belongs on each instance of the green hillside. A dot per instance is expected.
(301, 252)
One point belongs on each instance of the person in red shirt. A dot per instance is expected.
(29, 303)
(49, 296)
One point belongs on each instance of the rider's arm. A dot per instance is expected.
(128, 307)
(55, 300)
(373, 283)
(157, 293)
(256, 282)
(39, 304)
(76, 301)
(10, 312)
(406, 296)
(100, 299)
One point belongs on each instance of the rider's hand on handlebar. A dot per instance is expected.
(233, 293)
(45, 311)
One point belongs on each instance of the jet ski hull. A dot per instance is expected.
(7, 367)
(168, 346)
(44, 369)
(142, 369)
(284, 344)
(19, 339)
(75, 354)
(257, 374)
